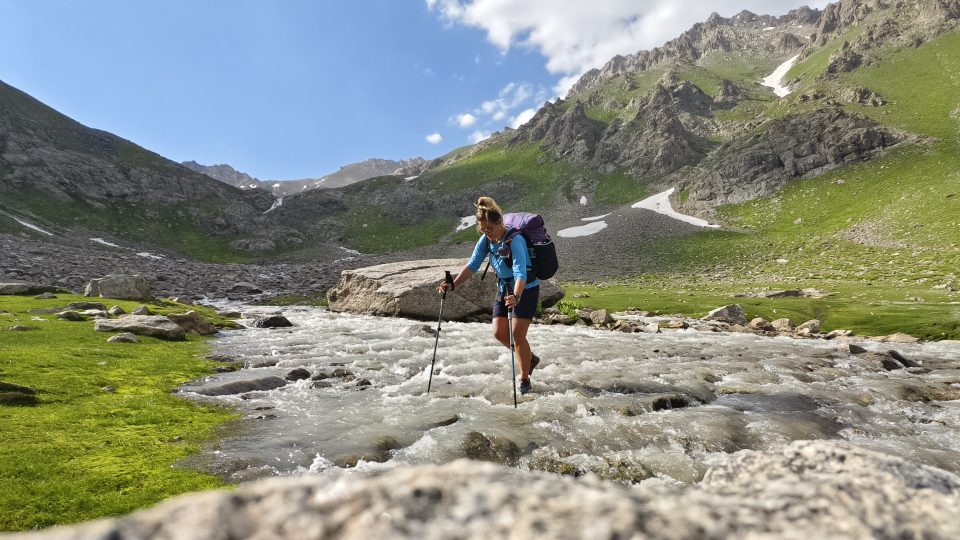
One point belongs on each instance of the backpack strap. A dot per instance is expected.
(484, 274)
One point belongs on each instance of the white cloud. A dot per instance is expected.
(576, 35)
(522, 118)
(433, 138)
(511, 97)
(478, 136)
(465, 120)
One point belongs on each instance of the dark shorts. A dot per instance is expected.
(526, 308)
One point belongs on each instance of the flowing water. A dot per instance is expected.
(623, 406)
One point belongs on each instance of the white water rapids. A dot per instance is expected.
(624, 406)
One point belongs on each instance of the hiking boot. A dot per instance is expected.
(534, 362)
(524, 386)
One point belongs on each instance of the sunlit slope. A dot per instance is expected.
(895, 218)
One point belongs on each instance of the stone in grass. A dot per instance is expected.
(124, 337)
(782, 325)
(116, 311)
(21, 328)
(17, 399)
(17, 395)
(141, 310)
(45, 296)
(70, 316)
(732, 314)
(142, 325)
(808, 328)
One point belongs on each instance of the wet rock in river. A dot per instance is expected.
(240, 387)
(478, 446)
(297, 374)
(272, 321)
(927, 392)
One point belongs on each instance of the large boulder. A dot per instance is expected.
(408, 289)
(120, 286)
(143, 325)
(192, 321)
(808, 489)
(23, 287)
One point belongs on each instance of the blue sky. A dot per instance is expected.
(294, 88)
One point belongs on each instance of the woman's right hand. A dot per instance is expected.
(443, 287)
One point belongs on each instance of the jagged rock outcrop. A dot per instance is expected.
(808, 489)
(408, 289)
(753, 35)
(792, 147)
(668, 131)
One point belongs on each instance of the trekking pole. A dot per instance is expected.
(513, 363)
(447, 279)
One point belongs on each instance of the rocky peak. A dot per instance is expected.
(746, 33)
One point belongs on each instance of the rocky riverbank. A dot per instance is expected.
(807, 489)
(71, 262)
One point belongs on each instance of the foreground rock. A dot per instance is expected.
(408, 289)
(809, 489)
(143, 325)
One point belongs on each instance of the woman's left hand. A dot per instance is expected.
(511, 301)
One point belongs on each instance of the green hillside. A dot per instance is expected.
(903, 209)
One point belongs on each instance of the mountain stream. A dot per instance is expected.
(629, 407)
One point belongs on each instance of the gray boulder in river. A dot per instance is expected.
(807, 489)
(408, 289)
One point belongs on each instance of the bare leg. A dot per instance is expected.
(501, 331)
(520, 327)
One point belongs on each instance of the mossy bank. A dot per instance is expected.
(105, 432)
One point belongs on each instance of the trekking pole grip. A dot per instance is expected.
(447, 278)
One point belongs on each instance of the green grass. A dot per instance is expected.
(84, 453)
(541, 181)
(370, 231)
(867, 310)
(165, 226)
(620, 188)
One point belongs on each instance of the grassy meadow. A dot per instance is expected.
(83, 452)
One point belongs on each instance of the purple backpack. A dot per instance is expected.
(540, 247)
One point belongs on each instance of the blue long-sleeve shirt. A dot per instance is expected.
(518, 249)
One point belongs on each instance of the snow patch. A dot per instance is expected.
(769, 28)
(583, 200)
(775, 79)
(660, 203)
(414, 177)
(277, 203)
(351, 251)
(582, 230)
(594, 218)
(149, 255)
(104, 242)
(32, 226)
(466, 223)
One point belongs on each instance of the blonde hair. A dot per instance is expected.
(488, 211)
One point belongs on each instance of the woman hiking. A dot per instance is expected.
(510, 259)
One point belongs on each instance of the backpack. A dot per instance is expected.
(540, 247)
